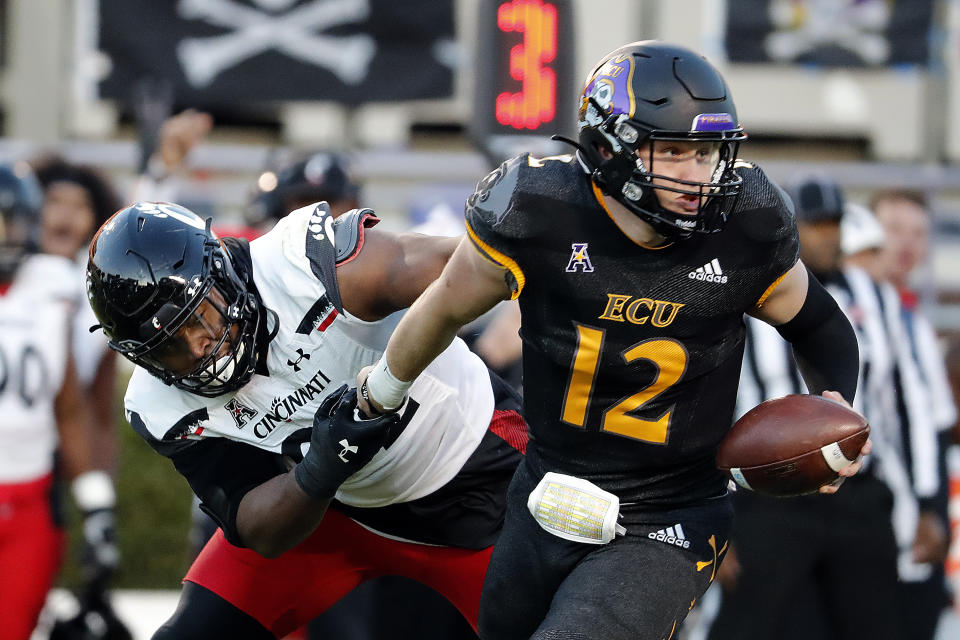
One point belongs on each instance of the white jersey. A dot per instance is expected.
(318, 347)
(35, 317)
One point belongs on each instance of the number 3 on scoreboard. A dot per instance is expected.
(668, 355)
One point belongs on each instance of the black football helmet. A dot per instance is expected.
(20, 201)
(151, 266)
(321, 176)
(648, 91)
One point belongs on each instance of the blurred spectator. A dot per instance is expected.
(166, 164)
(952, 361)
(812, 566)
(922, 593)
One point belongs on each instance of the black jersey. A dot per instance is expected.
(631, 356)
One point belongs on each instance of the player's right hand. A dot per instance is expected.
(342, 441)
(849, 470)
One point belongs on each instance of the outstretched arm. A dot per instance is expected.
(391, 271)
(468, 286)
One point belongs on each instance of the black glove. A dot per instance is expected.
(341, 443)
(100, 554)
(96, 619)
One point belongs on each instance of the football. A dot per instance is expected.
(792, 445)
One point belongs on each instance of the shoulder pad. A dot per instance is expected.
(493, 195)
(764, 211)
(348, 231)
(181, 435)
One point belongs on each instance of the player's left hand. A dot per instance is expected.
(100, 554)
(366, 403)
(852, 469)
(99, 559)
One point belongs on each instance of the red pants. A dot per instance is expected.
(286, 592)
(31, 548)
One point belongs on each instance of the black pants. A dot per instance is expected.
(813, 567)
(637, 587)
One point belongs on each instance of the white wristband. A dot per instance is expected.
(384, 387)
(93, 490)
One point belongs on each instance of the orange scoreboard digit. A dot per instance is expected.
(524, 68)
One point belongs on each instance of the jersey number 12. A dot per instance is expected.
(668, 355)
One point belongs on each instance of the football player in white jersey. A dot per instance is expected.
(76, 201)
(41, 408)
(243, 352)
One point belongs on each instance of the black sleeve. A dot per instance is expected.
(221, 472)
(824, 343)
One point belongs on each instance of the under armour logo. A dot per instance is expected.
(296, 363)
(579, 258)
(292, 33)
(194, 285)
(347, 448)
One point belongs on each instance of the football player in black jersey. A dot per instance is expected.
(634, 260)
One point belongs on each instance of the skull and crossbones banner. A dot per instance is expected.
(216, 52)
(833, 33)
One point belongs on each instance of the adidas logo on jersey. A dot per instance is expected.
(671, 535)
(710, 272)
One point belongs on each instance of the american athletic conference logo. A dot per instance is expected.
(241, 413)
(579, 258)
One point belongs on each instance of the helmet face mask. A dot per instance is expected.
(646, 94)
(174, 356)
(157, 276)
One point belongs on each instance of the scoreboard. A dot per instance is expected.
(525, 89)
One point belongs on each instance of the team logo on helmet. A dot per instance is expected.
(610, 86)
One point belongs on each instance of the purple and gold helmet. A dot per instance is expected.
(648, 91)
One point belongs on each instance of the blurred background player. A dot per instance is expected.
(44, 413)
(922, 592)
(321, 176)
(76, 201)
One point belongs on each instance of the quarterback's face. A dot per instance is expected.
(68, 219)
(679, 160)
(196, 340)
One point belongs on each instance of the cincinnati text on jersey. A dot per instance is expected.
(627, 308)
(282, 409)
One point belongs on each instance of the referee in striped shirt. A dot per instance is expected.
(813, 566)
